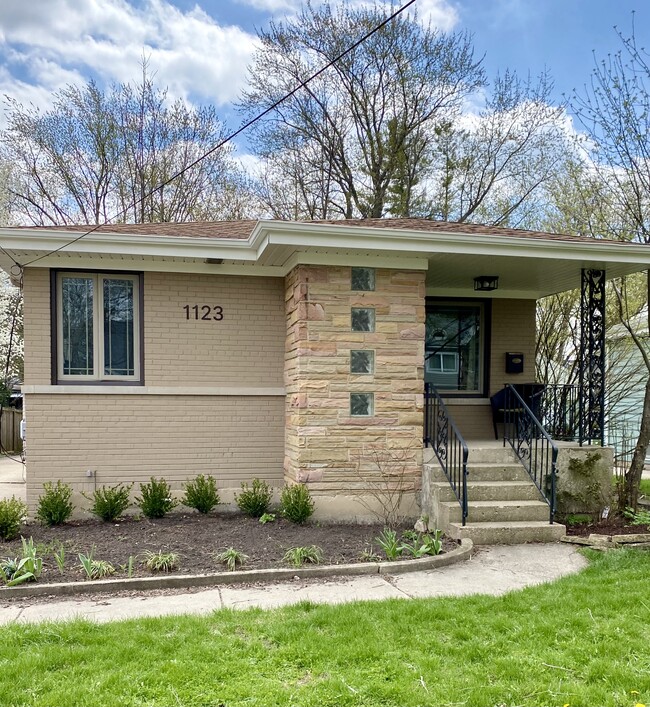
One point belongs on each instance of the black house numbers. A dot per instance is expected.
(203, 312)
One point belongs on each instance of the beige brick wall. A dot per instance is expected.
(131, 437)
(245, 348)
(325, 447)
(36, 316)
(513, 329)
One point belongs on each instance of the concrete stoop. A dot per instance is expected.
(505, 506)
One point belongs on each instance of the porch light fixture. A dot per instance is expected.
(486, 283)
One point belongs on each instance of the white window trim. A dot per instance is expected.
(98, 326)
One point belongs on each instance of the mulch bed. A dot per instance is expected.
(195, 539)
(609, 526)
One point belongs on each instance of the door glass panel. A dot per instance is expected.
(118, 328)
(454, 350)
(77, 315)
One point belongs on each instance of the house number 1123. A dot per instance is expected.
(205, 312)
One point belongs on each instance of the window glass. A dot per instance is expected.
(118, 327)
(362, 361)
(363, 319)
(363, 279)
(77, 309)
(362, 404)
(98, 326)
(454, 346)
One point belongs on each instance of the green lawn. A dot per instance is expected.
(645, 487)
(584, 640)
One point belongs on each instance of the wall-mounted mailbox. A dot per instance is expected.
(514, 362)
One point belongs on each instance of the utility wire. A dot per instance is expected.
(227, 139)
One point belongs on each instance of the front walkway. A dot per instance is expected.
(493, 570)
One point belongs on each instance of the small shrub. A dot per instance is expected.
(231, 558)
(298, 556)
(254, 501)
(110, 502)
(389, 543)
(156, 499)
(296, 503)
(27, 568)
(95, 569)
(161, 561)
(55, 506)
(267, 518)
(201, 493)
(13, 513)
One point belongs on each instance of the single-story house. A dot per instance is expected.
(292, 352)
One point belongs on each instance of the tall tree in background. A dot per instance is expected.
(614, 109)
(383, 131)
(96, 153)
(367, 120)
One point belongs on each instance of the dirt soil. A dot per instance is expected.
(609, 526)
(196, 539)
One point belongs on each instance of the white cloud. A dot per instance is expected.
(52, 42)
(272, 6)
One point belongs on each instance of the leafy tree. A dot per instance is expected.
(343, 145)
(614, 110)
(96, 153)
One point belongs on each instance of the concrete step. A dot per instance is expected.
(493, 471)
(502, 491)
(493, 454)
(508, 533)
(496, 511)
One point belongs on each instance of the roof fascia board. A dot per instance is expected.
(379, 261)
(268, 233)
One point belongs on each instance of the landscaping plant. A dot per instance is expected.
(201, 493)
(59, 557)
(161, 561)
(298, 556)
(95, 569)
(155, 499)
(55, 506)
(110, 502)
(267, 518)
(254, 501)
(296, 503)
(389, 543)
(27, 568)
(231, 558)
(13, 513)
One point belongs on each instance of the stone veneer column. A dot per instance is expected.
(326, 447)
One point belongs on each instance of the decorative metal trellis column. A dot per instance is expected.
(592, 357)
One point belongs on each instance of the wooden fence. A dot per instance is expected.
(10, 430)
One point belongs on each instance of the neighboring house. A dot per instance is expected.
(628, 374)
(279, 350)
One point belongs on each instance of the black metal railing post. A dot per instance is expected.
(532, 444)
(442, 435)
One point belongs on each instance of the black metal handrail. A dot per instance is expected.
(532, 444)
(442, 435)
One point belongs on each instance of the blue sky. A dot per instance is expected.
(200, 49)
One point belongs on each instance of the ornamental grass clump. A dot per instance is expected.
(55, 505)
(201, 494)
(13, 513)
(254, 501)
(296, 503)
(110, 502)
(155, 499)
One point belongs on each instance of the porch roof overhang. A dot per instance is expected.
(529, 265)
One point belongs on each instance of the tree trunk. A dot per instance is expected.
(633, 474)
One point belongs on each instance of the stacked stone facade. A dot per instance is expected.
(338, 455)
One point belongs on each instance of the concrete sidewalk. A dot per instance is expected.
(493, 570)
